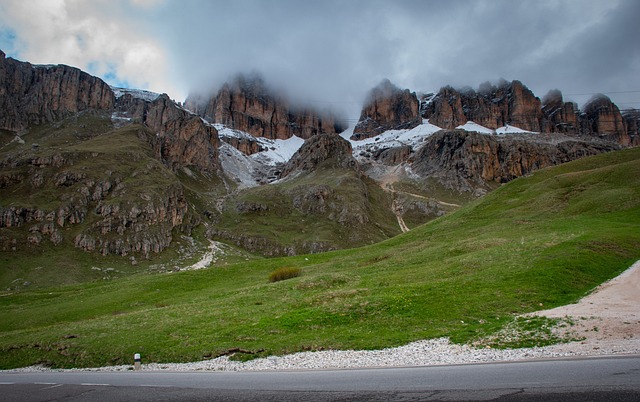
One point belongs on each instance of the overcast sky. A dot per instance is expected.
(331, 52)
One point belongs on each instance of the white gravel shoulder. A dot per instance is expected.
(608, 320)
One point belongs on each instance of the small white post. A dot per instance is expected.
(136, 362)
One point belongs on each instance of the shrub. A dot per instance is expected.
(283, 273)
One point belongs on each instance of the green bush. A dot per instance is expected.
(283, 273)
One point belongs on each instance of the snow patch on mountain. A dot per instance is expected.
(136, 93)
(277, 151)
(391, 138)
(475, 127)
(511, 130)
(224, 131)
(241, 168)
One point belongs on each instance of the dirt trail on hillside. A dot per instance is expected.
(609, 317)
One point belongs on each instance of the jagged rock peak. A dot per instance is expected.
(559, 116)
(491, 106)
(40, 94)
(602, 117)
(182, 138)
(387, 107)
(248, 104)
(322, 150)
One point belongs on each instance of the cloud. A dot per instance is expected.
(99, 37)
(332, 52)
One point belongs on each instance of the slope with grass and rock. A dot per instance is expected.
(537, 242)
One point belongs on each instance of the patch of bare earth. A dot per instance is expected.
(607, 320)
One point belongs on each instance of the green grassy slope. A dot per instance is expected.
(326, 209)
(537, 242)
(94, 151)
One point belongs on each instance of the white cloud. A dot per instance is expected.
(98, 37)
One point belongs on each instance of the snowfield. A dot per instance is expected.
(136, 93)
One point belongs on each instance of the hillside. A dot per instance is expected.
(537, 242)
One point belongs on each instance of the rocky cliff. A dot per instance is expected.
(247, 104)
(36, 94)
(491, 106)
(559, 116)
(601, 117)
(632, 123)
(512, 103)
(387, 108)
(182, 138)
(91, 194)
(473, 162)
(327, 150)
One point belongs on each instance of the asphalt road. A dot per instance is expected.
(593, 379)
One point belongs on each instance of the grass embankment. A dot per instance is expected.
(330, 208)
(537, 242)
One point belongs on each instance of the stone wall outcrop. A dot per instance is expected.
(387, 108)
(491, 106)
(328, 150)
(512, 103)
(601, 117)
(182, 138)
(36, 94)
(247, 104)
(466, 161)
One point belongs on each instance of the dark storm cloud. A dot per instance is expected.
(332, 52)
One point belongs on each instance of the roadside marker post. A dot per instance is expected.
(136, 362)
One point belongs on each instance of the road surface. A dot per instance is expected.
(594, 379)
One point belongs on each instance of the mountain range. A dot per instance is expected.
(99, 172)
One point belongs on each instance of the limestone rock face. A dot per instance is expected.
(632, 123)
(602, 117)
(492, 106)
(94, 206)
(387, 108)
(559, 116)
(470, 162)
(326, 150)
(32, 94)
(247, 104)
(445, 109)
(182, 138)
(245, 145)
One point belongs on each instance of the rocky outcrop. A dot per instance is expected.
(470, 162)
(33, 94)
(632, 123)
(247, 104)
(143, 228)
(509, 103)
(603, 118)
(393, 156)
(387, 108)
(245, 145)
(512, 103)
(109, 215)
(559, 116)
(323, 150)
(182, 138)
